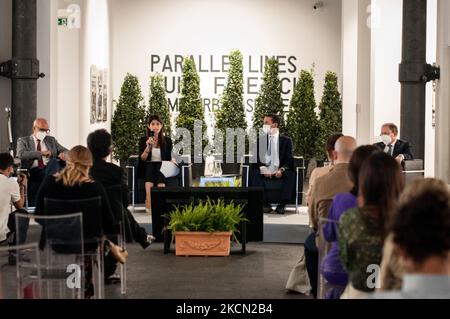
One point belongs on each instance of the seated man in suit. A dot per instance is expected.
(393, 146)
(276, 161)
(108, 174)
(40, 154)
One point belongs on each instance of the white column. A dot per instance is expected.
(443, 93)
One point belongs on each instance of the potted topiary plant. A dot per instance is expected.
(191, 110)
(128, 123)
(330, 112)
(269, 100)
(158, 104)
(302, 123)
(205, 229)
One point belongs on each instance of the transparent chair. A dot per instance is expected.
(24, 280)
(330, 276)
(70, 236)
(62, 254)
(115, 196)
(91, 209)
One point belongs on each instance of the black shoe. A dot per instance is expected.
(148, 242)
(280, 210)
(267, 210)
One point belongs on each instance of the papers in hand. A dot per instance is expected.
(266, 170)
(169, 169)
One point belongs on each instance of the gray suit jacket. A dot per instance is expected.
(26, 150)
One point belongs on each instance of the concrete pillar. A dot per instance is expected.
(443, 93)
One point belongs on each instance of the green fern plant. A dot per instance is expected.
(207, 216)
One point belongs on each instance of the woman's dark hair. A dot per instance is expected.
(358, 158)
(6, 160)
(421, 225)
(99, 143)
(380, 185)
(331, 142)
(161, 137)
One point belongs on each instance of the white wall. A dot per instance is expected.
(349, 65)
(5, 55)
(268, 27)
(386, 55)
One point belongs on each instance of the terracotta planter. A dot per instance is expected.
(202, 244)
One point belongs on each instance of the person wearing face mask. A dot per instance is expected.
(40, 154)
(277, 162)
(398, 149)
(11, 194)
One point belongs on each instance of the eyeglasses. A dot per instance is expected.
(43, 130)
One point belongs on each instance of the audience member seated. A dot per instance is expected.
(362, 230)
(11, 193)
(320, 171)
(73, 183)
(323, 192)
(276, 161)
(154, 148)
(331, 267)
(109, 175)
(391, 145)
(421, 238)
(392, 269)
(41, 155)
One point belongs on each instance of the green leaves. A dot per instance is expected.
(158, 104)
(330, 110)
(302, 124)
(190, 105)
(207, 216)
(232, 112)
(128, 123)
(269, 100)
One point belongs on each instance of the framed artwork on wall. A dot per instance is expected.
(105, 95)
(94, 94)
(99, 95)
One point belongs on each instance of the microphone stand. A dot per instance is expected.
(11, 145)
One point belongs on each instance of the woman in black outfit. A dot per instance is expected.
(74, 183)
(154, 148)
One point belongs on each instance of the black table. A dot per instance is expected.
(164, 199)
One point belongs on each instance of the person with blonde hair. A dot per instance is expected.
(74, 183)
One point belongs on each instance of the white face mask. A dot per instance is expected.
(386, 139)
(41, 135)
(267, 129)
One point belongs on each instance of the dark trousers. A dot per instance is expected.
(38, 175)
(134, 231)
(257, 180)
(312, 262)
(20, 229)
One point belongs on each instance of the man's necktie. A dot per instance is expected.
(40, 160)
(390, 150)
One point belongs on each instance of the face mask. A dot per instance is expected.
(41, 135)
(267, 129)
(386, 139)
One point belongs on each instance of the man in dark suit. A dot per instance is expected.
(110, 175)
(40, 154)
(393, 146)
(274, 161)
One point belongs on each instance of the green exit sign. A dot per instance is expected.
(62, 21)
